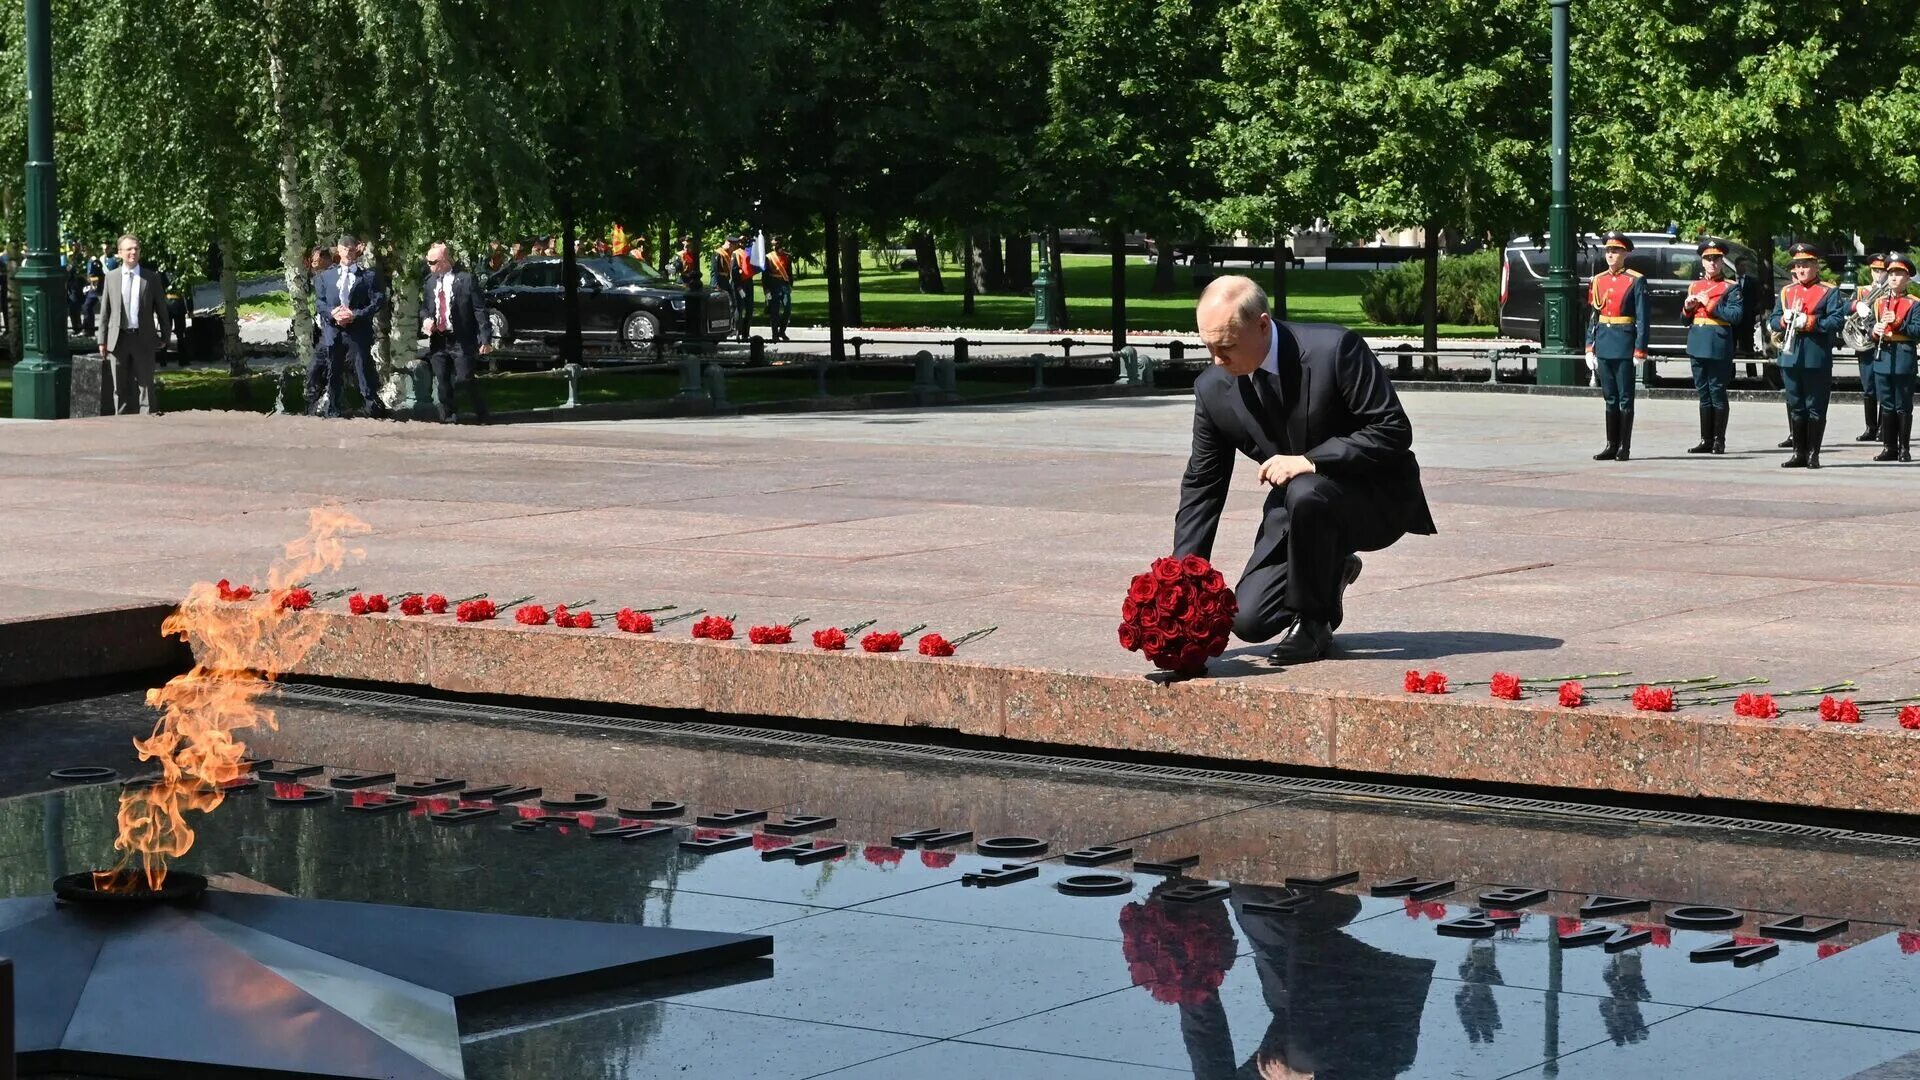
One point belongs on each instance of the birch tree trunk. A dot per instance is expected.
(292, 208)
(229, 300)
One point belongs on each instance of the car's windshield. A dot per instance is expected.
(629, 270)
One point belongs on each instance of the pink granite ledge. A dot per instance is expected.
(1873, 766)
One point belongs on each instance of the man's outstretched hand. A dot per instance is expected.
(1281, 468)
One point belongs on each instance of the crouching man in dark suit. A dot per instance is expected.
(1311, 404)
(454, 322)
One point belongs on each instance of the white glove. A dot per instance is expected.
(1803, 320)
(1862, 309)
(1593, 364)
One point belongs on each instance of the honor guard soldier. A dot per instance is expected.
(779, 289)
(687, 266)
(1896, 327)
(1864, 302)
(1714, 306)
(743, 271)
(1617, 341)
(1805, 318)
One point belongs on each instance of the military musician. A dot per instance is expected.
(1896, 326)
(1714, 307)
(1806, 317)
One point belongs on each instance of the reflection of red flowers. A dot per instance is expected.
(286, 790)
(1177, 614)
(1505, 685)
(1662, 936)
(769, 842)
(714, 628)
(882, 641)
(1567, 924)
(831, 638)
(1572, 695)
(296, 600)
(1910, 716)
(770, 635)
(233, 593)
(1430, 909)
(531, 615)
(1179, 953)
(1435, 683)
(436, 603)
(711, 834)
(1653, 698)
(1756, 706)
(1909, 942)
(633, 622)
(1830, 948)
(937, 860)
(413, 605)
(881, 855)
(1839, 710)
(476, 610)
(935, 645)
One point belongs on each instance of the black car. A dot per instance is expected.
(1667, 262)
(622, 301)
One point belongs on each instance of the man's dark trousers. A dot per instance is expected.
(453, 370)
(1318, 521)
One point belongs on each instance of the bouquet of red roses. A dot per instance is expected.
(1178, 614)
(1179, 952)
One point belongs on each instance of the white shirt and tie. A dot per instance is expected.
(130, 285)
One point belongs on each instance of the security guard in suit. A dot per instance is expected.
(1896, 328)
(1714, 306)
(1617, 341)
(1811, 312)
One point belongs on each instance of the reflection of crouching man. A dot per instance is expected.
(1311, 404)
(132, 328)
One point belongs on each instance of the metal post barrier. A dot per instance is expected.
(717, 387)
(1405, 368)
(1126, 366)
(1066, 348)
(960, 346)
(756, 350)
(856, 342)
(692, 392)
(947, 378)
(573, 386)
(1176, 351)
(1146, 371)
(820, 366)
(1039, 363)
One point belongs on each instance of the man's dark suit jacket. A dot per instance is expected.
(466, 311)
(367, 296)
(1339, 410)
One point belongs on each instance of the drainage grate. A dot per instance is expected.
(1092, 766)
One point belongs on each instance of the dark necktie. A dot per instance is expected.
(1272, 412)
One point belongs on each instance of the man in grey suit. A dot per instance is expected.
(132, 328)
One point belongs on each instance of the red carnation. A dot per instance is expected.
(1909, 942)
(770, 635)
(296, 600)
(1506, 686)
(1910, 717)
(1435, 683)
(583, 620)
(831, 638)
(633, 622)
(413, 605)
(377, 603)
(357, 604)
(1413, 684)
(1839, 711)
(1652, 698)
(476, 610)
(1757, 706)
(882, 641)
(1572, 695)
(531, 615)
(233, 593)
(437, 603)
(935, 645)
(714, 628)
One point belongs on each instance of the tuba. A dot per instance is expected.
(1857, 331)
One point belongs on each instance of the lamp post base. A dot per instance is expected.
(42, 390)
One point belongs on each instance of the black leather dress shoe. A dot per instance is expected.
(1349, 573)
(1304, 642)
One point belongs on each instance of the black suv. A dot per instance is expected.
(1668, 263)
(622, 300)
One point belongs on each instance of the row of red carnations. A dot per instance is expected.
(1660, 696)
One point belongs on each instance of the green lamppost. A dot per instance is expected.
(1562, 288)
(42, 375)
(1046, 306)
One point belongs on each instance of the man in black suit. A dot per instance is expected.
(348, 297)
(1312, 405)
(454, 322)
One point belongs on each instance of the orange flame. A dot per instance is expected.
(239, 649)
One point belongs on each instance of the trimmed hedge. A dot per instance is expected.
(1467, 291)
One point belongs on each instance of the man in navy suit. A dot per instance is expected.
(1311, 404)
(347, 297)
(453, 319)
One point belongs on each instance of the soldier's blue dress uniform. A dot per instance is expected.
(1617, 339)
(1896, 320)
(1869, 400)
(1714, 307)
(1806, 368)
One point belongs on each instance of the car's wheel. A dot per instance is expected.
(497, 324)
(640, 330)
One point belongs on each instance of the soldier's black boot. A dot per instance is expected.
(1706, 433)
(1889, 438)
(1613, 437)
(1816, 433)
(1798, 440)
(1906, 435)
(1720, 429)
(1626, 437)
(1876, 431)
(1787, 443)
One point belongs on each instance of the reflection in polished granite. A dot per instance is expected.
(887, 965)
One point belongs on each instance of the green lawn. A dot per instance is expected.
(894, 299)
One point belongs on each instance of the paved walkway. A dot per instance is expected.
(1029, 517)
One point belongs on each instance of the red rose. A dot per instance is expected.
(1129, 637)
(296, 600)
(476, 611)
(1910, 717)
(1572, 695)
(413, 605)
(531, 615)
(1413, 683)
(1166, 571)
(1195, 566)
(935, 645)
(377, 603)
(1213, 584)
(633, 622)
(1129, 609)
(832, 638)
(770, 635)
(877, 641)
(1506, 686)
(437, 604)
(1153, 642)
(1435, 683)
(1140, 590)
